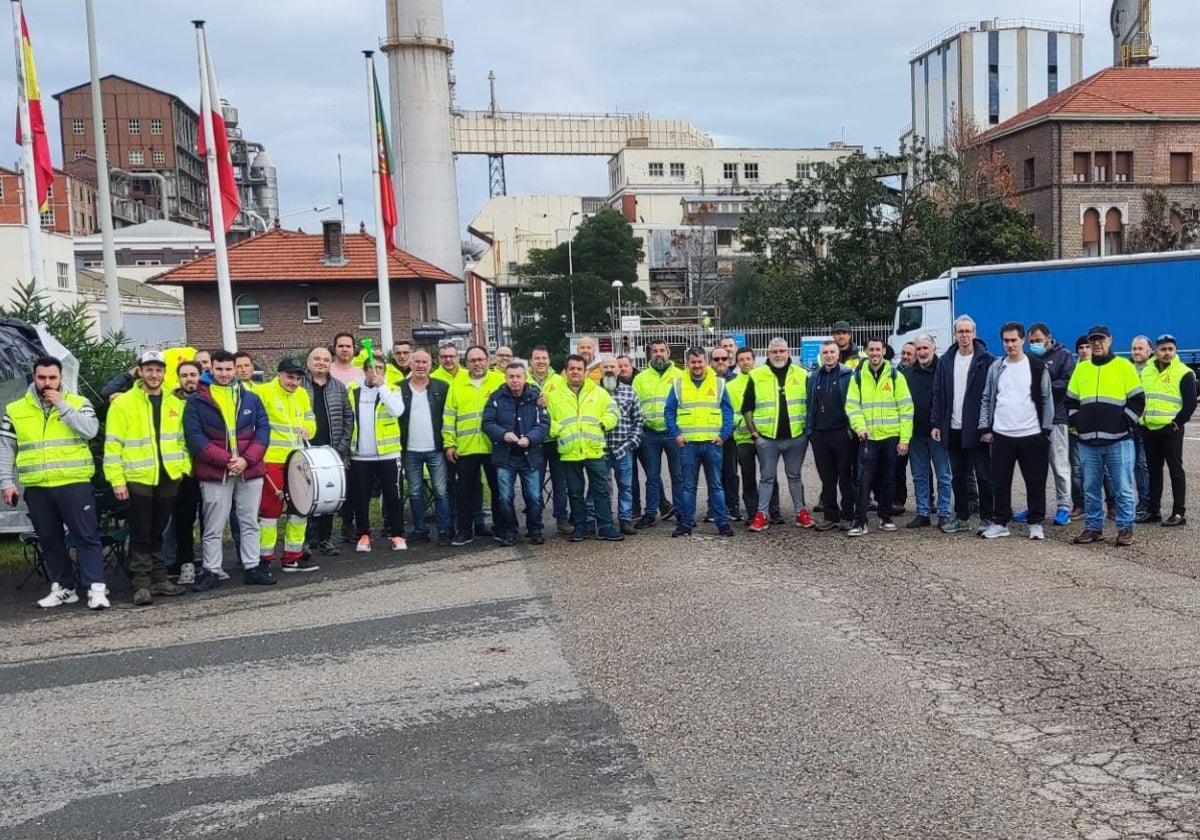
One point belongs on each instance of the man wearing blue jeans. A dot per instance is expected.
(699, 415)
(622, 441)
(927, 457)
(421, 439)
(1105, 401)
(517, 425)
(652, 386)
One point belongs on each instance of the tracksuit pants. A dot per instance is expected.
(1032, 454)
(72, 506)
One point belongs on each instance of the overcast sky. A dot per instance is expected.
(753, 73)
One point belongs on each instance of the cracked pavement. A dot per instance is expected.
(784, 684)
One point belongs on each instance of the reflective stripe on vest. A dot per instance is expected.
(131, 450)
(1163, 398)
(387, 427)
(287, 413)
(766, 399)
(576, 421)
(652, 388)
(49, 453)
(698, 413)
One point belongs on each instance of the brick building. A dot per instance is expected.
(293, 291)
(1083, 159)
(72, 207)
(146, 131)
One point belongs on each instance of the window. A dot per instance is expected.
(1, 190)
(156, 126)
(106, 128)
(730, 172)
(750, 170)
(1114, 233)
(1030, 173)
(1181, 167)
(245, 310)
(803, 171)
(158, 156)
(370, 309)
(77, 126)
(725, 237)
(135, 126)
(909, 318)
(1102, 166)
(80, 153)
(993, 77)
(136, 157)
(48, 218)
(1052, 63)
(49, 191)
(1082, 166)
(147, 262)
(1091, 233)
(64, 275)
(656, 170)
(676, 170)
(1123, 166)
(312, 310)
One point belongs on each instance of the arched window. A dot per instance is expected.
(1114, 232)
(246, 311)
(1091, 233)
(370, 309)
(312, 311)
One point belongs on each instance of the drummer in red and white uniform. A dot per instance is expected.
(375, 452)
(292, 425)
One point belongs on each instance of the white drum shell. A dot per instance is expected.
(315, 481)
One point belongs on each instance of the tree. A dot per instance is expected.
(1163, 227)
(603, 250)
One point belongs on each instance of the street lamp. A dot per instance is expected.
(618, 285)
(570, 259)
(316, 208)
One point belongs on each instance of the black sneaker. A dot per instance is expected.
(725, 531)
(506, 541)
(422, 537)
(1175, 520)
(444, 541)
(537, 539)
(646, 521)
(482, 530)
(681, 532)
(918, 522)
(304, 564)
(825, 525)
(777, 518)
(326, 548)
(845, 525)
(462, 538)
(205, 581)
(578, 535)
(612, 535)
(1142, 515)
(258, 576)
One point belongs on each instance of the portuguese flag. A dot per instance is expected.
(387, 196)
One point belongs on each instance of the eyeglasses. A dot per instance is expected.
(720, 358)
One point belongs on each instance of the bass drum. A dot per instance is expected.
(315, 480)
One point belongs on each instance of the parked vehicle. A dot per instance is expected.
(1136, 294)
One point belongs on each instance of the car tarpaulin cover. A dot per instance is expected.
(20, 344)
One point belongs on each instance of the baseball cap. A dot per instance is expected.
(841, 326)
(1099, 330)
(1165, 338)
(289, 365)
(152, 357)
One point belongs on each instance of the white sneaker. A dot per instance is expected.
(1036, 532)
(364, 544)
(857, 531)
(399, 544)
(98, 597)
(58, 596)
(887, 526)
(221, 574)
(187, 574)
(993, 531)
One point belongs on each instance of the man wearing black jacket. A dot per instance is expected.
(928, 458)
(957, 393)
(335, 422)
(421, 444)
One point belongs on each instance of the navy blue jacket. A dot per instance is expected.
(921, 382)
(521, 415)
(207, 436)
(943, 393)
(844, 373)
(1060, 364)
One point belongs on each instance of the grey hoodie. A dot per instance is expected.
(82, 422)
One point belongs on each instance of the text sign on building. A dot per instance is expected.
(428, 334)
(631, 323)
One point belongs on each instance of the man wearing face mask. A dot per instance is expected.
(622, 439)
(1060, 364)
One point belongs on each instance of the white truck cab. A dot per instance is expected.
(925, 308)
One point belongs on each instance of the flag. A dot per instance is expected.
(231, 205)
(387, 196)
(43, 167)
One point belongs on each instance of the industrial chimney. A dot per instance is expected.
(418, 54)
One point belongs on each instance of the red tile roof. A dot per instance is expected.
(287, 256)
(1117, 93)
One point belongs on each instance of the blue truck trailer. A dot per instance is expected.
(1137, 294)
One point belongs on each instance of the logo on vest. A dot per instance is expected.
(887, 386)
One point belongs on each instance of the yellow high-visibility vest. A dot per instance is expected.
(131, 448)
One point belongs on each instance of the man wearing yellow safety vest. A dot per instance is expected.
(243, 369)
(1105, 401)
(699, 415)
(144, 461)
(547, 381)
(652, 386)
(468, 447)
(724, 368)
(45, 435)
(400, 365)
(580, 414)
(880, 409)
(375, 452)
(747, 458)
(774, 408)
(448, 369)
(289, 411)
(1170, 402)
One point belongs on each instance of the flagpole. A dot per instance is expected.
(112, 290)
(216, 213)
(381, 263)
(33, 216)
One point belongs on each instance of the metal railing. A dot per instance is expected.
(995, 24)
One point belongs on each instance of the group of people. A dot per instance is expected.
(214, 448)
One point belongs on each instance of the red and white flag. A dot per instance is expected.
(210, 100)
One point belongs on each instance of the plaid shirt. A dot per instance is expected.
(628, 432)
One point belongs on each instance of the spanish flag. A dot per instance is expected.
(42, 165)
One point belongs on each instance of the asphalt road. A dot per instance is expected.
(784, 684)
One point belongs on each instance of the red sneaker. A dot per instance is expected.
(803, 520)
(760, 522)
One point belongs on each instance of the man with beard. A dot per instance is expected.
(834, 446)
(774, 406)
(187, 500)
(928, 457)
(517, 427)
(586, 348)
(468, 448)
(343, 368)
(849, 353)
(622, 440)
(723, 366)
(652, 386)
(881, 413)
(547, 382)
(699, 416)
